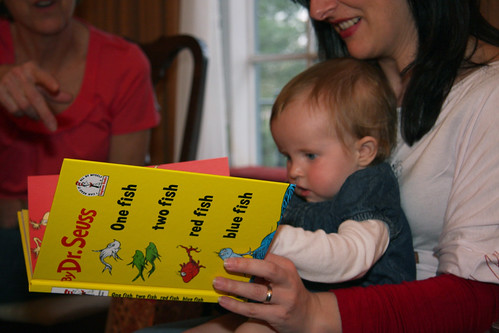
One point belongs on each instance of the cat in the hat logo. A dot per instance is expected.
(92, 185)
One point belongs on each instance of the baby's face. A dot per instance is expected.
(317, 161)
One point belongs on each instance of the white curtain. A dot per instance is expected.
(201, 18)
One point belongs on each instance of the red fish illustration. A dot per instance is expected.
(189, 270)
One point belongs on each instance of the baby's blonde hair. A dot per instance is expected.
(357, 95)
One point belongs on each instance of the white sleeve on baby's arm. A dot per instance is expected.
(335, 257)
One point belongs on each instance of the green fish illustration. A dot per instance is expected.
(151, 255)
(139, 261)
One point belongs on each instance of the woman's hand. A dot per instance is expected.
(292, 308)
(25, 90)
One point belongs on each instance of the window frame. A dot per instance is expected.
(238, 35)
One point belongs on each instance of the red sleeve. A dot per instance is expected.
(442, 304)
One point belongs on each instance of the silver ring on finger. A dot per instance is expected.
(269, 294)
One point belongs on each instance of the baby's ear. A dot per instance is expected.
(367, 149)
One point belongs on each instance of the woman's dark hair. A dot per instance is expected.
(444, 27)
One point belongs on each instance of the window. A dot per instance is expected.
(267, 42)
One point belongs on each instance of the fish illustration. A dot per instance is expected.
(191, 268)
(139, 261)
(229, 253)
(110, 251)
(151, 255)
(261, 251)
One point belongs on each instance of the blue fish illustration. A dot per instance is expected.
(229, 253)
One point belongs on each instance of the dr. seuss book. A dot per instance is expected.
(126, 231)
(41, 190)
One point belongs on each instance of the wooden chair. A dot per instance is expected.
(161, 53)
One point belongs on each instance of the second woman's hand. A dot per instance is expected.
(25, 90)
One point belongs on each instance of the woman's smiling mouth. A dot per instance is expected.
(344, 25)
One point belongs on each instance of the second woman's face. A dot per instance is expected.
(43, 17)
(370, 28)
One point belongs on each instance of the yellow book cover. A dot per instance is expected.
(126, 231)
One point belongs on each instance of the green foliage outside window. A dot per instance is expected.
(281, 29)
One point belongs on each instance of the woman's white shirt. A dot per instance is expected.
(449, 183)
